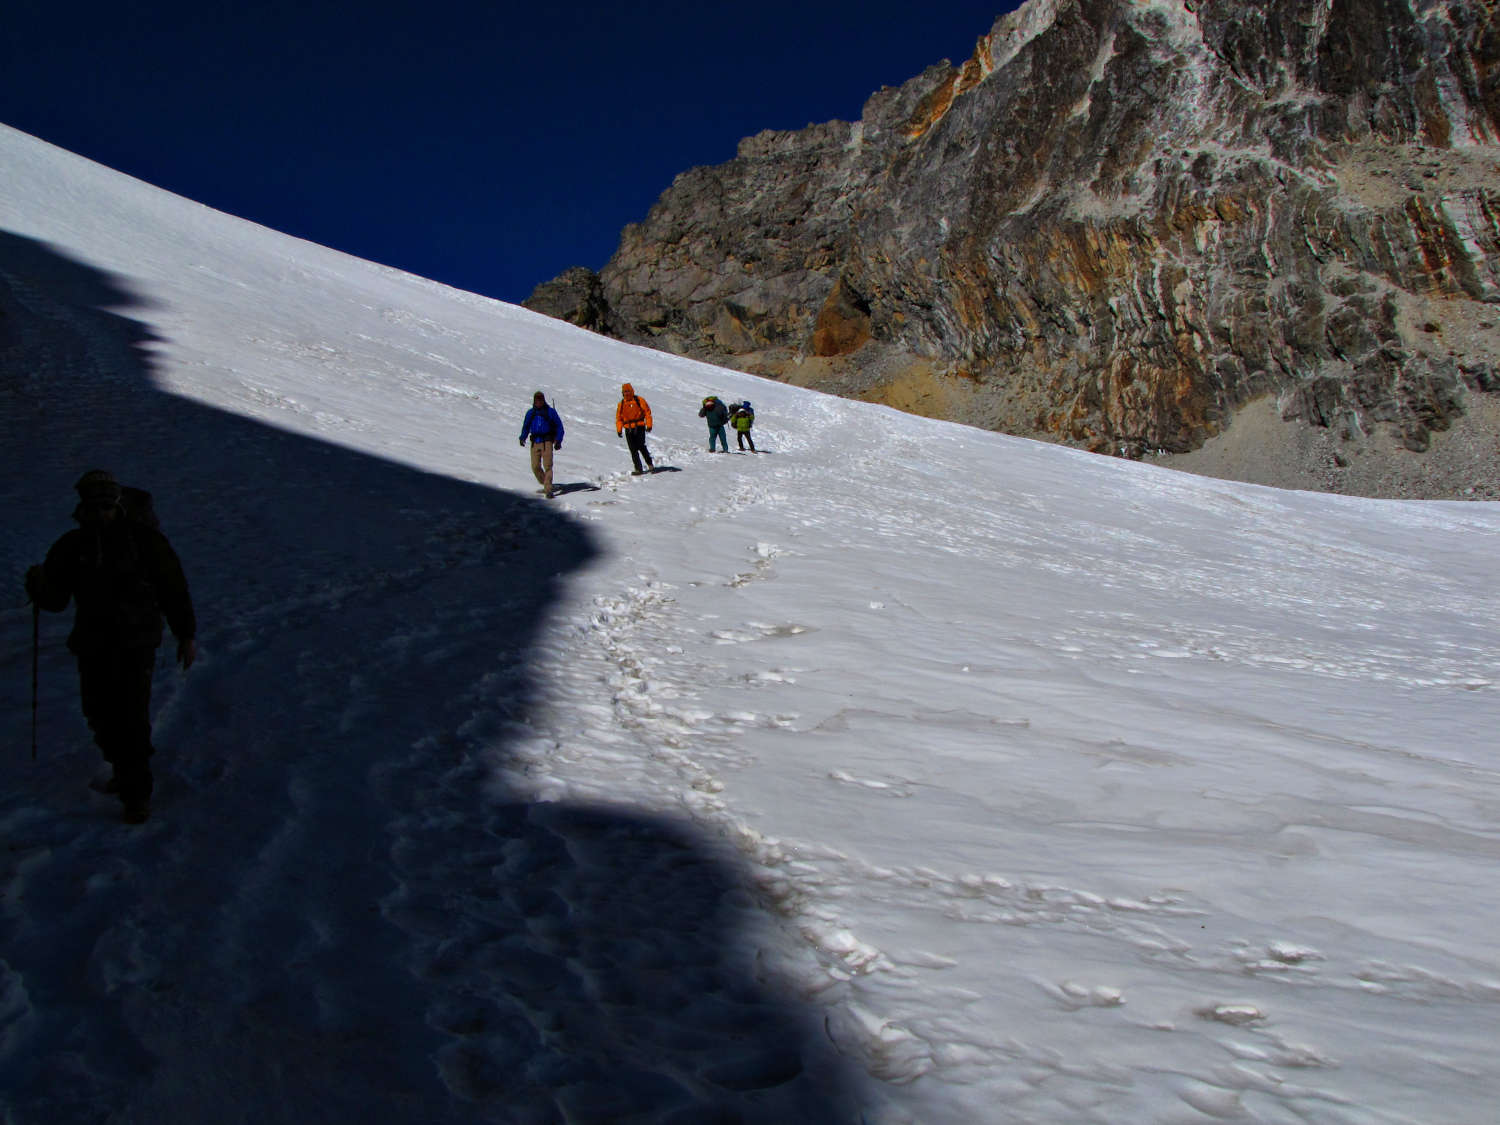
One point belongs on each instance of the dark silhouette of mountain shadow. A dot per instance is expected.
(338, 912)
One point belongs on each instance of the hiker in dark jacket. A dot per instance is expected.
(545, 429)
(123, 576)
(717, 416)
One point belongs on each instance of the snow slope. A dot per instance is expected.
(901, 773)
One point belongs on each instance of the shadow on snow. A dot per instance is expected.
(335, 914)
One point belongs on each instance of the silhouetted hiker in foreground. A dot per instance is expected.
(545, 429)
(123, 575)
(633, 418)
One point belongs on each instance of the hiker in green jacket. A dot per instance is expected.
(742, 417)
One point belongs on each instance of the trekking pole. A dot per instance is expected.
(36, 643)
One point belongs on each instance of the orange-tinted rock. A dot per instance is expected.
(1125, 220)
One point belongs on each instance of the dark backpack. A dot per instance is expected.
(139, 507)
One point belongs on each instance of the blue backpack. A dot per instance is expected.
(544, 423)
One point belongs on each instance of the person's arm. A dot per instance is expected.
(526, 425)
(557, 426)
(50, 585)
(172, 595)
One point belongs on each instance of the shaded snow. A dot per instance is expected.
(903, 772)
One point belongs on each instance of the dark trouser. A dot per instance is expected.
(115, 690)
(635, 441)
(742, 436)
(716, 433)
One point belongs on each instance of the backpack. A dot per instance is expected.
(118, 602)
(545, 423)
(630, 410)
(139, 507)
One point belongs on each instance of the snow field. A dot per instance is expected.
(903, 773)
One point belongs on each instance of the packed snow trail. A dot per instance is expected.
(902, 773)
(1148, 780)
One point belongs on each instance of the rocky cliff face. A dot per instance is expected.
(1119, 222)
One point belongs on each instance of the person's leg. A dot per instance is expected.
(635, 439)
(115, 691)
(546, 447)
(751, 440)
(536, 462)
(136, 782)
(94, 672)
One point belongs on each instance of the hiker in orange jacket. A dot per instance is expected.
(633, 419)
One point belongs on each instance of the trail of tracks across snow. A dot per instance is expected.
(689, 683)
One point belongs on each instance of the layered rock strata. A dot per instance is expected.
(1119, 222)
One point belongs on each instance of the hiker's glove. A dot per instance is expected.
(523, 443)
(187, 652)
(34, 580)
(648, 429)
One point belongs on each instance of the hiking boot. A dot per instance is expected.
(136, 812)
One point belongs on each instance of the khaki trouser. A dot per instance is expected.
(541, 464)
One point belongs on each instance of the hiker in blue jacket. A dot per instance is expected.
(545, 429)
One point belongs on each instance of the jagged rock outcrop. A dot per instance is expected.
(1117, 223)
(577, 296)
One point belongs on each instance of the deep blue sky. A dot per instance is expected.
(486, 145)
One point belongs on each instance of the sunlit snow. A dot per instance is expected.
(900, 773)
